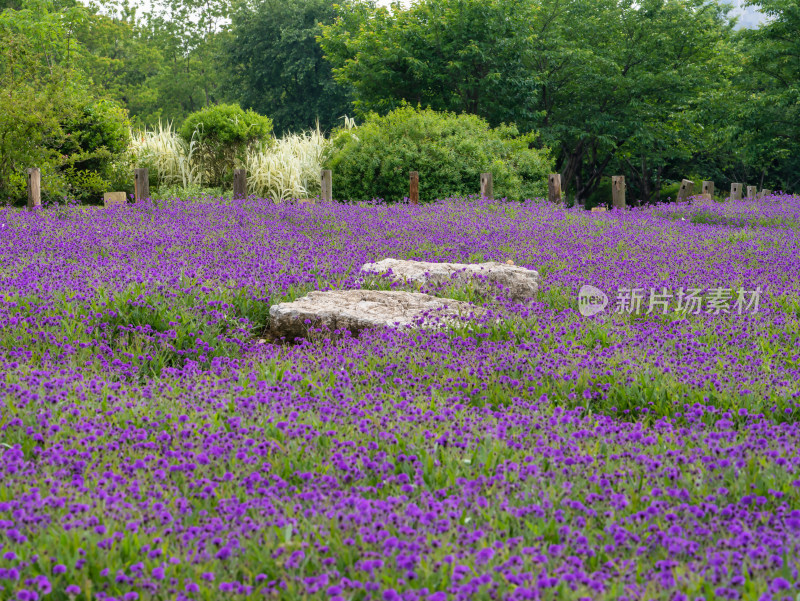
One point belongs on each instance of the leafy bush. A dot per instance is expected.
(450, 152)
(191, 192)
(91, 142)
(223, 133)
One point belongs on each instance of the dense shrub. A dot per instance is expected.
(223, 134)
(93, 140)
(450, 152)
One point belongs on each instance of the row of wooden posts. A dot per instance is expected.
(141, 187)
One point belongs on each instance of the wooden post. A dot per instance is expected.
(618, 191)
(141, 184)
(764, 193)
(708, 190)
(34, 189)
(686, 189)
(554, 188)
(487, 186)
(751, 191)
(239, 183)
(327, 185)
(736, 192)
(413, 191)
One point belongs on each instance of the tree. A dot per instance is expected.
(768, 118)
(163, 63)
(120, 61)
(450, 55)
(628, 99)
(277, 67)
(49, 116)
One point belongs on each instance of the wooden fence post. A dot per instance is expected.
(686, 189)
(487, 186)
(708, 190)
(554, 188)
(764, 193)
(413, 187)
(751, 191)
(239, 183)
(34, 189)
(141, 184)
(618, 191)
(327, 185)
(736, 192)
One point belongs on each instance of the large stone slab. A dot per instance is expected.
(356, 310)
(521, 283)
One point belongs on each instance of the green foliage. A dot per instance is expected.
(277, 67)
(49, 117)
(94, 137)
(190, 192)
(764, 134)
(450, 55)
(224, 134)
(629, 100)
(123, 62)
(450, 152)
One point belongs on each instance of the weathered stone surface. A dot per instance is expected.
(114, 198)
(356, 310)
(521, 283)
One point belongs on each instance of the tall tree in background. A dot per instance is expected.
(277, 67)
(767, 125)
(163, 63)
(120, 60)
(189, 34)
(452, 55)
(50, 116)
(628, 100)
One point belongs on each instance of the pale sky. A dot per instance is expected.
(748, 16)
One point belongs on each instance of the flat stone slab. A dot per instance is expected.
(520, 283)
(356, 310)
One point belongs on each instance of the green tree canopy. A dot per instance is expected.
(49, 116)
(277, 67)
(450, 55)
(767, 118)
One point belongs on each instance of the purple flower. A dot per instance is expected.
(779, 584)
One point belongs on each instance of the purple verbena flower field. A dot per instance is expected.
(157, 443)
